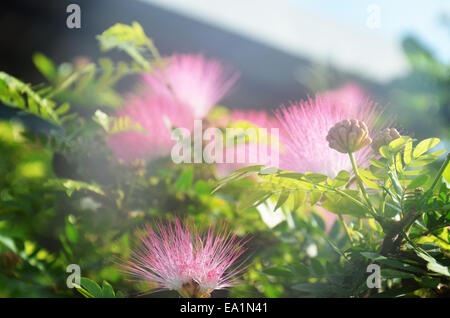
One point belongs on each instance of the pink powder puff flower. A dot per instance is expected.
(153, 113)
(175, 256)
(194, 80)
(349, 96)
(305, 126)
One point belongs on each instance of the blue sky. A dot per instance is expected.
(397, 19)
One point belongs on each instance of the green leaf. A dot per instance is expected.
(421, 163)
(392, 263)
(392, 273)
(407, 152)
(339, 204)
(71, 232)
(438, 268)
(320, 222)
(129, 38)
(413, 172)
(424, 146)
(396, 183)
(341, 179)
(185, 180)
(384, 151)
(8, 242)
(299, 199)
(201, 187)
(364, 177)
(268, 170)
(316, 177)
(301, 269)
(119, 294)
(278, 271)
(373, 256)
(253, 199)
(446, 173)
(83, 291)
(377, 163)
(45, 66)
(73, 185)
(429, 282)
(314, 197)
(15, 93)
(108, 291)
(317, 267)
(117, 125)
(433, 265)
(417, 182)
(397, 144)
(91, 287)
(312, 288)
(283, 197)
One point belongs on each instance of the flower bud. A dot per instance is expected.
(384, 138)
(349, 136)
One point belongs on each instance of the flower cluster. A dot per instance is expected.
(185, 90)
(305, 126)
(175, 256)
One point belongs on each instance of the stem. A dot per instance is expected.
(361, 186)
(383, 202)
(346, 229)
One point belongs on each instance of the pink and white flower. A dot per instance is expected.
(175, 256)
(153, 113)
(304, 128)
(195, 81)
(349, 96)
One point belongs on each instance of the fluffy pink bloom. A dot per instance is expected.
(196, 82)
(305, 125)
(153, 113)
(175, 256)
(349, 96)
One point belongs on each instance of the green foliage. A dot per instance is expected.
(116, 125)
(69, 186)
(132, 40)
(15, 93)
(90, 289)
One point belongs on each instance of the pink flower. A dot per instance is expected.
(195, 81)
(175, 256)
(152, 113)
(305, 126)
(349, 96)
